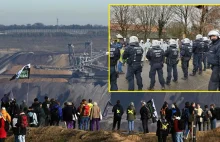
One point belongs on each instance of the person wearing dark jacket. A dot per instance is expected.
(68, 115)
(14, 108)
(118, 112)
(22, 127)
(162, 129)
(145, 115)
(41, 116)
(76, 116)
(213, 118)
(24, 107)
(131, 116)
(46, 107)
(56, 113)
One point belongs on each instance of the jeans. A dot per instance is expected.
(130, 125)
(213, 124)
(186, 131)
(120, 67)
(84, 122)
(19, 138)
(179, 136)
(95, 121)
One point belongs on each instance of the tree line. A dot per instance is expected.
(42, 26)
(175, 20)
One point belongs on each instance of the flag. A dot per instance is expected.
(107, 107)
(153, 110)
(24, 73)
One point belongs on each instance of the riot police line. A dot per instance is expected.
(203, 50)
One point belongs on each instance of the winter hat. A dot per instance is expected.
(132, 103)
(3, 108)
(95, 103)
(173, 106)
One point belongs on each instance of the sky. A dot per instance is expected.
(67, 11)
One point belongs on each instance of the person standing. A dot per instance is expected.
(213, 58)
(162, 129)
(177, 130)
(172, 59)
(118, 112)
(95, 116)
(114, 57)
(68, 115)
(199, 118)
(145, 116)
(133, 54)
(156, 57)
(213, 118)
(46, 107)
(185, 55)
(84, 116)
(131, 116)
(3, 133)
(207, 115)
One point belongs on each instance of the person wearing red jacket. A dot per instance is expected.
(178, 132)
(3, 133)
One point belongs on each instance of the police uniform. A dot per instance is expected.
(186, 54)
(198, 51)
(172, 60)
(114, 57)
(213, 57)
(156, 57)
(206, 49)
(133, 53)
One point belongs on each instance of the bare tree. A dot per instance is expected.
(182, 15)
(164, 15)
(122, 16)
(145, 19)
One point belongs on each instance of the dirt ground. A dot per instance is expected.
(59, 134)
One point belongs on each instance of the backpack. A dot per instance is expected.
(206, 116)
(55, 113)
(185, 114)
(86, 110)
(181, 124)
(24, 121)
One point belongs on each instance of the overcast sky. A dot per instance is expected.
(67, 11)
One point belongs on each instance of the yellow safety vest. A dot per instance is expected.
(118, 111)
(164, 126)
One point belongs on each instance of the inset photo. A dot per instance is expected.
(164, 48)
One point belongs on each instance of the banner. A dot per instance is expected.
(24, 73)
(153, 110)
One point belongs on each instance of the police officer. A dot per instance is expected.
(156, 57)
(213, 57)
(206, 49)
(133, 54)
(198, 51)
(114, 57)
(172, 60)
(185, 55)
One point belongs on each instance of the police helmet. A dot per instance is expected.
(133, 39)
(172, 42)
(205, 39)
(199, 36)
(213, 33)
(186, 40)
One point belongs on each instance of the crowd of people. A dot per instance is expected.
(203, 50)
(49, 113)
(179, 123)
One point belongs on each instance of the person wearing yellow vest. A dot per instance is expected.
(131, 116)
(90, 108)
(121, 61)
